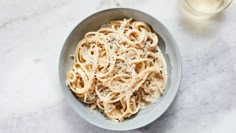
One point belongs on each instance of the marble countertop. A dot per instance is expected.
(32, 34)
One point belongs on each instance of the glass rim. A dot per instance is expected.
(220, 9)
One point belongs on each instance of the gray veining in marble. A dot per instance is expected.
(32, 34)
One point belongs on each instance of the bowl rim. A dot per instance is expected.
(135, 126)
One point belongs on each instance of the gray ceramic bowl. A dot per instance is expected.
(168, 47)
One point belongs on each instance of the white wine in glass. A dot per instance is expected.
(206, 7)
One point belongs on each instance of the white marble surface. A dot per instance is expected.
(32, 33)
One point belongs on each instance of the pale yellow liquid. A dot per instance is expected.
(205, 6)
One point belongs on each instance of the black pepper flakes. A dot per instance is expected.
(72, 57)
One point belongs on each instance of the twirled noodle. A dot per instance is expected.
(119, 69)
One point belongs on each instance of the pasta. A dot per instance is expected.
(118, 69)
